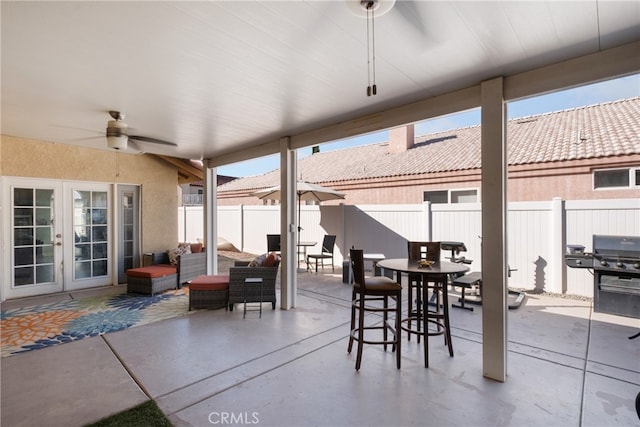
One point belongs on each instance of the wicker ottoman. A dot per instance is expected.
(152, 279)
(209, 292)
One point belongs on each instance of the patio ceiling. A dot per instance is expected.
(222, 77)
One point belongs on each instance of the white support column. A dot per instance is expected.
(210, 203)
(288, 226)
(494, 231)
(557, 276)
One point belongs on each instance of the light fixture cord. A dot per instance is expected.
(371, 49)
(368, 56)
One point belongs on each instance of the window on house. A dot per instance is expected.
(451, 196)
(616, 178)
(436, 196)
(464, 196)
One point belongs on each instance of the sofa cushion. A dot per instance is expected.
(209, 283)
(152, 271)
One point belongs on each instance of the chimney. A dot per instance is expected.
(401, 139)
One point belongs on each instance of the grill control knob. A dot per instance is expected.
(636, 265)
(619, 264)
(603, 263)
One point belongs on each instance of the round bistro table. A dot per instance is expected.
(438, 272)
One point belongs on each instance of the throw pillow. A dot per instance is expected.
(258, 261)
(270, 260)
(176, 252)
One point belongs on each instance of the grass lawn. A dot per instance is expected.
(145, 415)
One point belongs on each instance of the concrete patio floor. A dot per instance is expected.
(567, 366)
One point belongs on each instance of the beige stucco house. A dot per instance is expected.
(584, 153)
(86, 204)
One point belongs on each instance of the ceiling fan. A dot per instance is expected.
(118, 136)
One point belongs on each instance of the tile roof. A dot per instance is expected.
(602, 130)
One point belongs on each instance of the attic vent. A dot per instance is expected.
(523, 121)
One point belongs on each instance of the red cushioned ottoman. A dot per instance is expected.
(152, 279)
(209, 292)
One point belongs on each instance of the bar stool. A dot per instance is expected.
(418, 251)
(368, 290)
(435, 316)
(423, 314)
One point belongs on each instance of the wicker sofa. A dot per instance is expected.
(254, 292)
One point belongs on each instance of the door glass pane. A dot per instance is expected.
(23, 236)
(90, 227)
(100, 268)
(44, 197)
(33, 255)
(23, 256)
(44, 254)
(44, 273)
(82, 270)
(23, 197)
(23, 276)
(22, 216)
(43, 236)
(128, 227)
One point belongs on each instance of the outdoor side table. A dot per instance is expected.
(374, 258)
(252, 280)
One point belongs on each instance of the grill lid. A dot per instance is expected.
(617, 247)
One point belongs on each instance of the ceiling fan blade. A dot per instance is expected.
(78, 128)
(151, 140)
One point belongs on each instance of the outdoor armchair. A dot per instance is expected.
(254, 292)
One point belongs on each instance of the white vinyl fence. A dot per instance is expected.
(538, 232)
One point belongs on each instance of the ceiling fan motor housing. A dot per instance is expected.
(117, 135)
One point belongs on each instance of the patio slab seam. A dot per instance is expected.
(192, 394)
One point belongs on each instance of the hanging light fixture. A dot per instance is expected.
(117, 131)
(370, 9)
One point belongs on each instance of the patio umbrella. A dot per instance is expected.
(306, 191)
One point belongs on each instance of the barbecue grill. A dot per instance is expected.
(616, 273)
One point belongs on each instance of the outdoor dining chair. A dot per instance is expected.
(367, 295)
(273, 243)
(328, 243)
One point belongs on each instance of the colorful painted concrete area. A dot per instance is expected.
(34, 327)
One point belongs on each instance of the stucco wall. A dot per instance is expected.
(157, 179)
(569, 180)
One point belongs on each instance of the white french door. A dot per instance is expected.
(87, 226)
(58, 236)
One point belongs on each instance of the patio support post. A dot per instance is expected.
(558, 275)
(494, 230)
(288, 225)
(210, 203)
